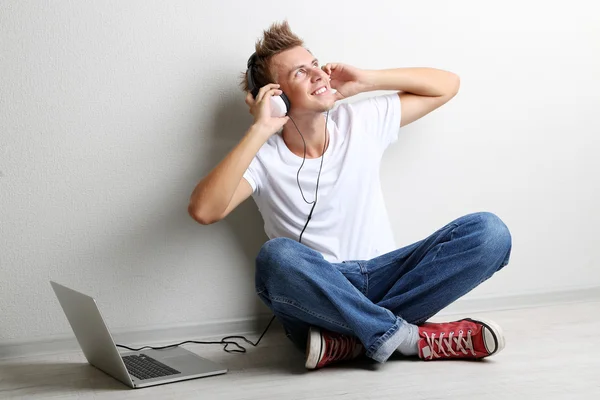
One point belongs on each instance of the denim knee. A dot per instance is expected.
(496, 240)
(276, 249)
(275, 257)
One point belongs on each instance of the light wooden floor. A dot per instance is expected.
(551, 353)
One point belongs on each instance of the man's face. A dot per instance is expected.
(302, 80)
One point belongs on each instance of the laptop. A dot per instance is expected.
(136, 369)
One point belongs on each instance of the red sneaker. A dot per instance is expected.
(466, 338)
(324, 347)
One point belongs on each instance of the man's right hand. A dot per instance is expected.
(260, 108)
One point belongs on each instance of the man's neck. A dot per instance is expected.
(312, 129)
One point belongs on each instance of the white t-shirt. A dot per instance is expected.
(350, 220)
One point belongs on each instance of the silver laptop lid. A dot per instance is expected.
(91, 332)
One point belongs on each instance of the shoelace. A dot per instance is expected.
(463, 345)
(340, 348)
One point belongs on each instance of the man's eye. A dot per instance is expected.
(299, 72)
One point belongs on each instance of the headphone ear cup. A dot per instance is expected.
(286, 101)
(278, 107)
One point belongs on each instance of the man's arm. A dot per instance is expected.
(422, 89)
(223, 189)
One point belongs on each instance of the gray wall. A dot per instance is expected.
(112, 111)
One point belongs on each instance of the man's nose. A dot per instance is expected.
(317, 75)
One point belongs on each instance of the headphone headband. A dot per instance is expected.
(249, 75)
(253, 88)
(252, 60)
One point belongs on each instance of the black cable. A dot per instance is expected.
(225, 340)
(314, 202)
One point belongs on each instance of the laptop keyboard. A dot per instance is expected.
(145, 367)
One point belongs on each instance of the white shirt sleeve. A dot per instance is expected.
(253, 175)
(381, 115)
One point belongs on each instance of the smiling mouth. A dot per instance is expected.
(320, 91)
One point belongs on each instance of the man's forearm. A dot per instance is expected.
(421, 81)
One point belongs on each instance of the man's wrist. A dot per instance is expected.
(259, 130)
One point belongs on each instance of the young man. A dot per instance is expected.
(336, 280)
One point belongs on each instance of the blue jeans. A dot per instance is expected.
(373, 299)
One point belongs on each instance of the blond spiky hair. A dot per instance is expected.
(279, 37)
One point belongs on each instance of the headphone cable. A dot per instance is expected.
(226, 341)
(314, 202)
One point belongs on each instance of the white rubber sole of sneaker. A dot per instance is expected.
(314, 348)
(489, 333)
